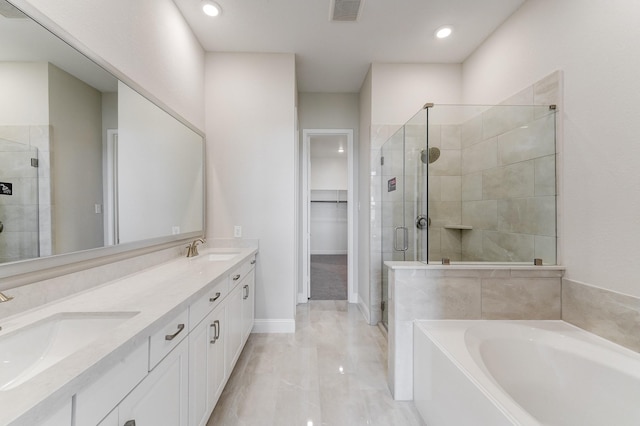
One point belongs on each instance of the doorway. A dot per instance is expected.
(328, 215)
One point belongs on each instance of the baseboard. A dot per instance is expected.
(364, 309)
(274, 326)
(332, 252)
(302, 298)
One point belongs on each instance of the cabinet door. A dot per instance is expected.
(61, 417)
(248, 304)
(162, 397)
(206, 366)
(198, 351)
(233, 344)
(216, 357)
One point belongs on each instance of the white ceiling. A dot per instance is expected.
(335, 56)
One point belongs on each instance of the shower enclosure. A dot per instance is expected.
(19, 230)
(462, 183)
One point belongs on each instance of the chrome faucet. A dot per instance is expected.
(192, 249)
(4, 298)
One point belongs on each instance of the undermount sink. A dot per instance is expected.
(219, 257)
(27, 351)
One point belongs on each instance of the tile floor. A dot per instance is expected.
(332, 371)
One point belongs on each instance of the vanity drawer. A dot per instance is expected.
(212, 298)
(100, 397)
(241, 271)
(168, 337)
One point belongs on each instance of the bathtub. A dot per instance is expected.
(522, 373)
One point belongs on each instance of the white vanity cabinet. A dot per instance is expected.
(206, 365)
(163, 396)
(178, 374)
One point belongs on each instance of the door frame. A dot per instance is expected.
(304, 291)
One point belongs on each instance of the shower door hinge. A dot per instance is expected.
(382, 305)
(382, 161)
(34, 162)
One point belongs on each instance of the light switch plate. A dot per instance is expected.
(237, 231)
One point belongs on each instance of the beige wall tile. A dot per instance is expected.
(545, 176)
(472, 187)
(445, 213)
(501, 119)
(513, 181)
(521, 298)
(534, 216)
(450, 137)
(472, 245)
(451, 187)
(506, 247)
(480, 214)
(481, 156)
(447, 165)
(611, 315)
(547, 90)
(471, 132)
(545, 249)
(535, 140)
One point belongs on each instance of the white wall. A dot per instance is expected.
(25, 97)
(400, 90)
(328, 173)
(76, 169)
(158, 159)
(250, 114)
(147, 40)
(595, 44)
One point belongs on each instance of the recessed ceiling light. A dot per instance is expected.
(444, 32)
(211, 8)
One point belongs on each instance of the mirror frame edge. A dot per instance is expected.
(28, 271)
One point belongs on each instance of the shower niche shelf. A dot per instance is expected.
(460, 227)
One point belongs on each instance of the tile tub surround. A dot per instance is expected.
(472, 291)
(156, 293)
(611, 315)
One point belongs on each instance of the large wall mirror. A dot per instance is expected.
(86, 162)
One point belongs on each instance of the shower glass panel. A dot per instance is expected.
(492, 192)
(470, 183)
(19, 233)
(403, 179)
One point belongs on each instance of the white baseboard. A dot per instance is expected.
(364, 309)
(329, 252)
(274, 326)
(302, 298)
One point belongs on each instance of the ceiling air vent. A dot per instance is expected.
(9, 11)
(345, 10)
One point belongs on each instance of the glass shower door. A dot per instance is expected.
(19, 232)
(394, 235)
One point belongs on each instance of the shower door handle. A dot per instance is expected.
(405, 239)
(1, 226)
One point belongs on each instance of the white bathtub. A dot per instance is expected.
(522, 373)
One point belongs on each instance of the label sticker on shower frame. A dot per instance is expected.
(391, 185)
(6, 188)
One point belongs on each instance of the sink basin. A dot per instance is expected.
(220, 256)
(29, 350)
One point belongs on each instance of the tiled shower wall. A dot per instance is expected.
(27, 231)
(454, 193)
(496, 175)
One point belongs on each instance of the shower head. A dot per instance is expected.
(430, 155)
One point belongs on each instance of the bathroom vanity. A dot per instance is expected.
(155, 347)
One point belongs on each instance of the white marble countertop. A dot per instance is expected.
(156, 293)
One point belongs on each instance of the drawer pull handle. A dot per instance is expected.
(216, 331)
(236, 277)
(253, 262)
(246, 291)
(130, 423)
(213, 299)
(172, 336)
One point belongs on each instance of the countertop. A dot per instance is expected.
(156, 293)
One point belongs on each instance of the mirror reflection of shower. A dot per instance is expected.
(430, 155)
